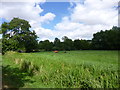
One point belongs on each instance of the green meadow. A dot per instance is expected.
(74, 69)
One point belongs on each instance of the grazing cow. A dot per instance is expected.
(55, 51)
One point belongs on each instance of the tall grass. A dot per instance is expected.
(75, 69)
(28, 67)
(80, 76)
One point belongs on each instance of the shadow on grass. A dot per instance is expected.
(14, 77)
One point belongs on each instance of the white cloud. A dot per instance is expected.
(84, 20)
(29, 11)
(23, 10)
(89, 18)
(46, 34)
(47, 17)
(77, 30)
(95, 12)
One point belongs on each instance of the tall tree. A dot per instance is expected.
(57, 44)
(68, 43)
(46, 45)
(17, 35)
(108, 39)
(82, 44)
(77, 44)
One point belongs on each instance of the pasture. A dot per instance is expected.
(74, 69)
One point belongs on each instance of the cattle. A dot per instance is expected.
(55, 51)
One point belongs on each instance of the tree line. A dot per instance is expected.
(17, 35)
(67, 44)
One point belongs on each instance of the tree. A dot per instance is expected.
(85, 44)
(68, 43)
(57, 44)
(82, 44)
(64, 38)
(17, 35)
(0, 45)
(107, 40)
(77, 44)
(46, 45)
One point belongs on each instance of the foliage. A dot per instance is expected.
(0, 45)
(107, 40)
(103, 40)
(68, 43)
(57, 44)
(46, 45)
(17, 35)
(82, 44)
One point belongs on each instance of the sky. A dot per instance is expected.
(76, 20)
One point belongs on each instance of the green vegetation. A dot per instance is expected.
(74, 69)
(103, 40)
(66, 69)
(18, 36)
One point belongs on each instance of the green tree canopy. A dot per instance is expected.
(57, 44)
(46, 45)
(18, 36)
(108, 39)
(68, 43)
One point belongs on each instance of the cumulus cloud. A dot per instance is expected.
(84, 20)
(95, 12)
(47, 17)
(18, 9)
(88, 18)
(29, 11)
(45, 33)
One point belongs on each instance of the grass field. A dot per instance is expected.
(74, 69)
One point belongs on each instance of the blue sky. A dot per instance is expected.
(60, 9)
(77, 20)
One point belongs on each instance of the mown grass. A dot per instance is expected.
(74, 69)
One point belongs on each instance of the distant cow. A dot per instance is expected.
(55, 51)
